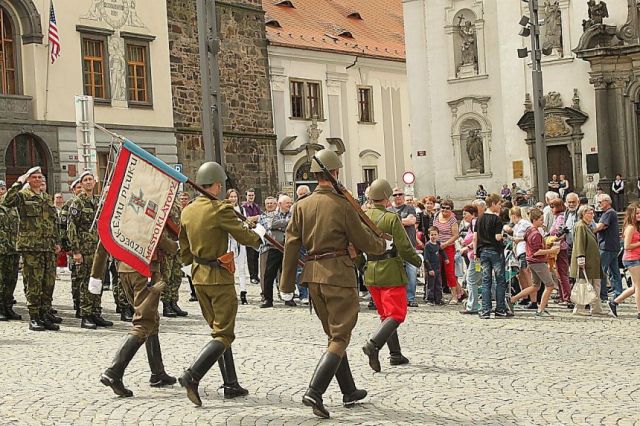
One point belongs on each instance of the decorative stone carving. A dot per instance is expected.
(313, 131)
(630, 31)
(555, 126)
(471, 136)
(118, 68)
(552, 27)
(576, 100)
(475, 151)
(468, 64)
(115, 13)
(553, 100)
(16, 107)
(597, 12)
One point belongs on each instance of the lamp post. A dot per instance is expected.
(531, 28)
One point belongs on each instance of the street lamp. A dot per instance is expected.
(531, 28)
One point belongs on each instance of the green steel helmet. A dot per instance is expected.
(380, 189)
(210, 173)
(329, 158)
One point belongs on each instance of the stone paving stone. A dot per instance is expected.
(463, 371)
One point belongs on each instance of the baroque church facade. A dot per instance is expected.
(471, 106)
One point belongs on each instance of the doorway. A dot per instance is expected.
(24, 152)
(559, 163)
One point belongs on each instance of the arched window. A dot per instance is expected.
(25, 151)
(7, 55)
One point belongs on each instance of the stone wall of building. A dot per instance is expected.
(249, 140)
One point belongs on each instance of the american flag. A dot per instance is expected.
(54, 40)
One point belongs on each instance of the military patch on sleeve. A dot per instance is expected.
(63, 218)
(74, 211)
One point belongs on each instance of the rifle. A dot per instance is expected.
(340, 189)
(242, 217)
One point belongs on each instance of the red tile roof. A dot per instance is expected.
(326, 25)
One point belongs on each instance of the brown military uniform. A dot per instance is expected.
(325, 223)
(204, 236)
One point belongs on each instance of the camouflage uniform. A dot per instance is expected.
(9, 257)
(170, 267)
(83, 239)
(63, 222)
(36, 242)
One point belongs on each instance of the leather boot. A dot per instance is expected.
(325, 370)
(112, 376)
(53, 318)
(48, 323)
(127, 314)
(159, 377)
(87, 322)
(350, 394)
(232, 388)
(372, 347)
(179, 312)
(243, 298)
(203, 363)
(10, 313)
(35, 324)
(101, 322)
(394, 350)
(167, 310)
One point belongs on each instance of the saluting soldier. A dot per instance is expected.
(9, 258)
(325, 224)
(204, 236)
(144, 295)
(171, 269)
(83, 241)
(386, 278)
(63, 222)
(38, 242)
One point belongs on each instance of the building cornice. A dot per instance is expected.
(334, 58)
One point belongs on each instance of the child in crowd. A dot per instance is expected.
(433, 254)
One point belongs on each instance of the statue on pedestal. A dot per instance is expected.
(597, 12)
(475, 151)
(553, 27)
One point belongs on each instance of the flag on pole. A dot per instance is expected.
(137, 205)
(54, 39)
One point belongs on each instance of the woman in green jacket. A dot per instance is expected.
(585, 258)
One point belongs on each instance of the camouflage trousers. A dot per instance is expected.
(119, 297)
(75, 284)
(89, 302)
(171, 272)
(39, 276)
(8, 277)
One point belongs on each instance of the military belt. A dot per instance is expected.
(215, 263)
(331, 255)
(386, 255)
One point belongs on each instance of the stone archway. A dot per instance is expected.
(24, 152)
(27, 14)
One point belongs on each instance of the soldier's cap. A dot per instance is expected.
(3, 184)
(33, 170)
(86, 173)
(75, 183)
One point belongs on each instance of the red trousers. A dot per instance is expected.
(450, 268)
(391, 302)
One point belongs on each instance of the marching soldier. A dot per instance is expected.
(38, 243)
(172, 276)
(206, 225)
(144, 296)
(9, 258)
(83, 241)
(325, 224)
(63, 222)
(386, 278)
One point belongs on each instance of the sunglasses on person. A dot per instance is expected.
(445, 208)
(398, 195)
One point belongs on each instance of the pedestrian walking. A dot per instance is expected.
(585, 258)
(204, 238)
(325, 223)
(631, 257)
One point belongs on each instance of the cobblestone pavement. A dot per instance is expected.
(463, 370)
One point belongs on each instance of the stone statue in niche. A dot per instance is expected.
(597, 12)
(475, 151)
(553, 27)
(117, 68)
(468, 63)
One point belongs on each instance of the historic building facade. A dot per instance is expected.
(338, 81)
(114, 50)
(471, 109)
(249, 141)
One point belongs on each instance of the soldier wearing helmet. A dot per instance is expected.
(204, 235)
(386, 278)
(325, 224)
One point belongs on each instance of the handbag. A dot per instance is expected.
(582, 292)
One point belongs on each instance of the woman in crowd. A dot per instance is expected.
(448, 228)
(617, 193)
(562, 261)
(564, 186)
(474, 273)
(585, 258)
(239, 251)
(481, 193)
(536, 256)
(590, 188)
(631, 257)
(520, 226)
(425, 219)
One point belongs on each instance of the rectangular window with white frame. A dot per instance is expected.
(306, 99)
(365, 104)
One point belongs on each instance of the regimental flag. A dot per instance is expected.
(136, 206)
(54, 39)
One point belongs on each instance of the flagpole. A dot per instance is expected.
(46, 84)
